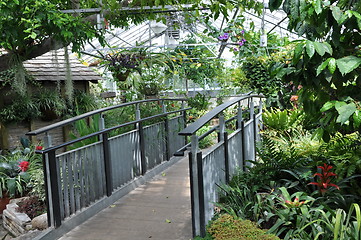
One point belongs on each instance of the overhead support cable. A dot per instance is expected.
(277, 25)
(140, 10)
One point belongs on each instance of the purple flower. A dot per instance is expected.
(225, 36)
(242, 32)
(242, 42)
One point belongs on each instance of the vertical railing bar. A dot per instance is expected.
(92, 172)
(107, 165)
(166, 133)
(226, 157)
(184, 114)
(77, 188)
(255, 136)
(201, 197)
(142, 149)
(49, 212)
(195, 179)
(65, 187)
(81, 180)
(243, 146)
(222, 127)
(69, 164)
(193, 206)
(54, 185)
(86, 177)
(100, 171)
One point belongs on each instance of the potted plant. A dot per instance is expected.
(150, 84)
(121, 64)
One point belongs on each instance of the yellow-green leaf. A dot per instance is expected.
(348, 64)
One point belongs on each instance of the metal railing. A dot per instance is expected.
(78, 179)
(224, 158)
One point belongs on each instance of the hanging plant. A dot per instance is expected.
(50, 104)
(121, 64)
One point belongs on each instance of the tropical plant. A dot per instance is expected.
(85, 127)
(21, 109)
(50, 104)
(15, 171)
(327, 63)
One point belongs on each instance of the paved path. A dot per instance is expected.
(158, 210)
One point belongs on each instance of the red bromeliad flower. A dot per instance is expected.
(24, 166)
(39, 148)
(325, 179)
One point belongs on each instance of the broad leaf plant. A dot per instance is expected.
(327, 62)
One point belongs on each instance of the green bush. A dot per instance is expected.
(228, 228)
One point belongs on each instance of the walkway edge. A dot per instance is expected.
(72, 222)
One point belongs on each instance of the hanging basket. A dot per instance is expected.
(121, 76)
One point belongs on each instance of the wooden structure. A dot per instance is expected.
(48, 70)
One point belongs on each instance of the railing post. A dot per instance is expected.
(226, 157)
(139, 126)
(202, 216)
(48, 143)
(54, 186)
(107, 165)
(101, 125)
(243, 146)
(195, 184)
(252, 116)
(143, 161)
(239, 116)
(47, 140)
(222, 127)
(166, 134)
(184, 121)
(260, 106)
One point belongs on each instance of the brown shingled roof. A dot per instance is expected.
(45, 68)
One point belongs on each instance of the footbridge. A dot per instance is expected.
(150, 181)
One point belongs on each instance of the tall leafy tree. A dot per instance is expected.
(327, 63)
(30, 28)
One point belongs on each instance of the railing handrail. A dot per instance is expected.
(97, 111)
(106, 130)
(194, 127)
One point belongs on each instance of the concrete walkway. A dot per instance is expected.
(161, 209)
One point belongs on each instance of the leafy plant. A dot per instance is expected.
(199, 101)
(227, 227)
(83, 128)
(15, 171)
(327, 63)
(50, 103)
(32, 206)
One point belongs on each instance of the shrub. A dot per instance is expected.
(227, 227)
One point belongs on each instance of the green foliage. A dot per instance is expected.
(327, 63)
(46, 104)
(208, 140)
(264, 77)
(85, 127)
(37, 184)
(227, 227)
(22, 109)
(282, 120)
(24, 26)
(16, 170)
(199, 101)
(197, 63)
